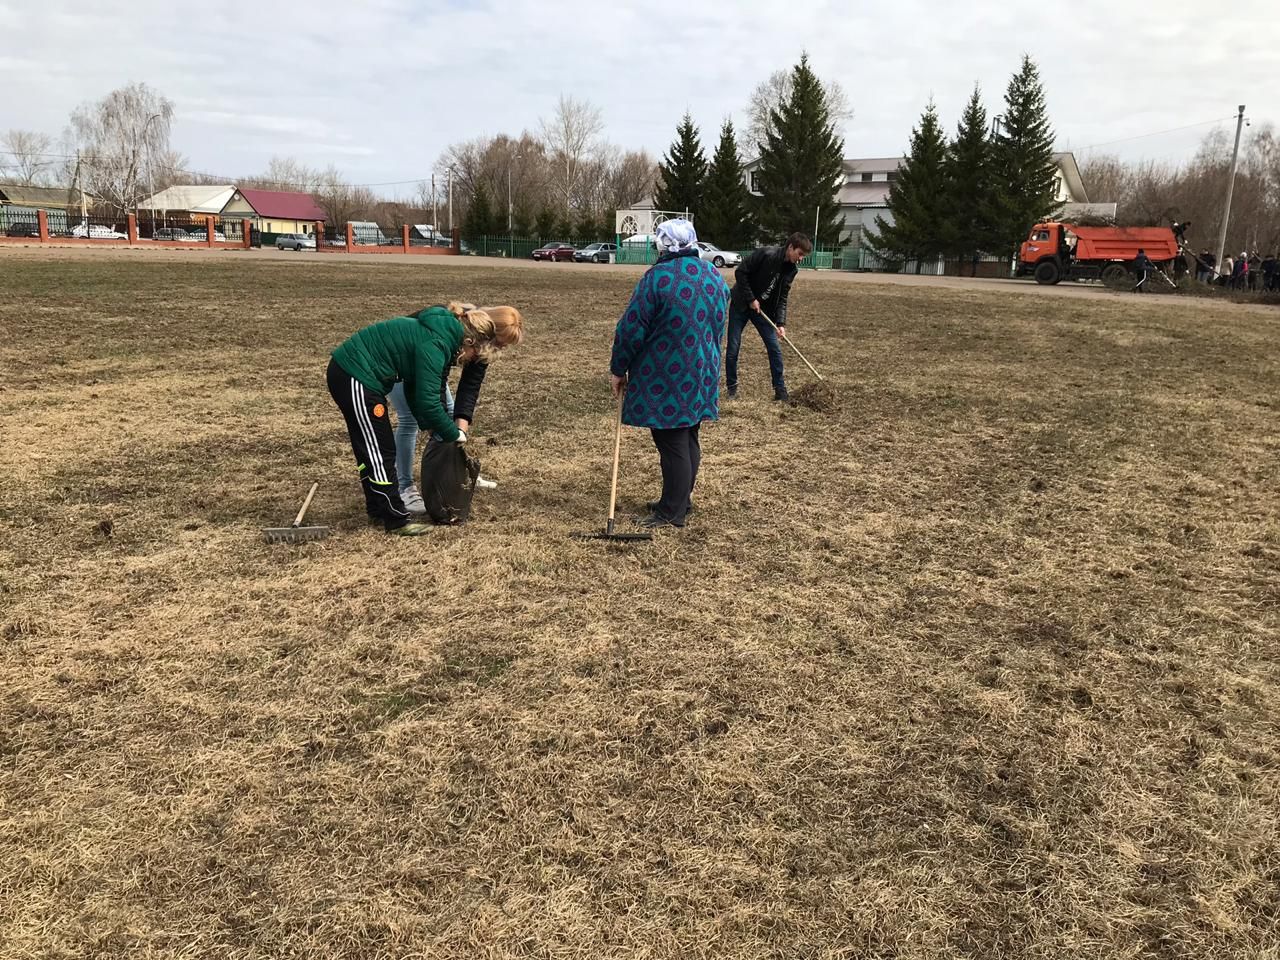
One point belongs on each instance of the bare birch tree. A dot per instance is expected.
(25, 155)
(118, 140)
(769, 95)
(571, 136)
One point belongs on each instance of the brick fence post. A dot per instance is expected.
(351, 236)
(246, 228)
(404, 236)
(209, 227)
(132, 228)
(456, 240)
(322, 240)
(42, 225)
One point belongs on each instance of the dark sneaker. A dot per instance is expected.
(731, 392)
(411, 530)
(652, 507)
(654, 521)
(781, 395)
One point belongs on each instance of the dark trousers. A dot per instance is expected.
(373, 444)
(1141, 285)
(680, 455)
(738, 320)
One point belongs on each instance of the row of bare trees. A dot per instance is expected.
(118, 151)
(563, 174)
(1149, 192)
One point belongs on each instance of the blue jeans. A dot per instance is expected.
(738, 320)
(407, 432)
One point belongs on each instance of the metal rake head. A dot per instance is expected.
(294, 534)
(606, 535)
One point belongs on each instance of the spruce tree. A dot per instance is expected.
(970, 228)
(917, 199)
(725, 215)
(801, 165)
(1023, 165)
(480, 221)
(544, 225)
(682, 172)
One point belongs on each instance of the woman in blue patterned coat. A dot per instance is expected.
(666, 357)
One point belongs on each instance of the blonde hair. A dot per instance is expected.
(488, 329)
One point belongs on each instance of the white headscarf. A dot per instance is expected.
(676, 235)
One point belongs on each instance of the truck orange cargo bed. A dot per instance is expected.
(1123, 243)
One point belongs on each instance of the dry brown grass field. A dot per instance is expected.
(981, 663)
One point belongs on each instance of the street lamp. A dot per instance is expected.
(452, 171)
(151, 175)
(518, 156)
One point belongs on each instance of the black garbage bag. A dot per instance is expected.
(448, 482)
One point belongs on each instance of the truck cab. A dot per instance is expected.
(1047, 252)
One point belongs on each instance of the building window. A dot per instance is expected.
(891, 176)
(755, 181)
(866, 177)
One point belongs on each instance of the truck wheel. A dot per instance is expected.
(1114, 274)
(1047, 272)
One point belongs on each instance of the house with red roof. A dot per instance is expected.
(275, 211)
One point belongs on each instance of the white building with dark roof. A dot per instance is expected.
(864, 195)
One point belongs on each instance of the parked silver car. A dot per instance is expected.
(595, 253)
(295, 241)
(718, 257)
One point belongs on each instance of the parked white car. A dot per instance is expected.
(95, 231)
(718, 257)
(201, 235)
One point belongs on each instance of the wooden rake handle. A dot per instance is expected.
(305, 504)
(793, 347)
(617, 451)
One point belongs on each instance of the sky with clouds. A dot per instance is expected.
(379, 87)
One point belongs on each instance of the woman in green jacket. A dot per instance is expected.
(417, 351)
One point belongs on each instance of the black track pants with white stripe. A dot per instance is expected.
(373, 444)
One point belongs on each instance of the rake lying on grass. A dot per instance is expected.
(296, 533)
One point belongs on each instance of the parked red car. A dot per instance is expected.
(554, 252)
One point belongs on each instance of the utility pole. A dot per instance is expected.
(435, 210)
(1231, 186)
(510, 209)
(451, 203)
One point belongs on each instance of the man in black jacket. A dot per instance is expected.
(762, 284)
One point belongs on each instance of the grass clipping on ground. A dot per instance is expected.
(985, 666)
(816, 395)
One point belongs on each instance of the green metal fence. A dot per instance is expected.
(520, 248)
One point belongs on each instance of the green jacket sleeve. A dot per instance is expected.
(425, 394)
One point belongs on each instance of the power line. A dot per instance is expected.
(1143, 136)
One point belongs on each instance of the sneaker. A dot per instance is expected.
(652, 507)
(484, 484)
(412, 500)
(411, 530)
(781, 395)
(732, 392)
(653, 521)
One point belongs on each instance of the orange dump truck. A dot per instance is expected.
(1054, 252)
